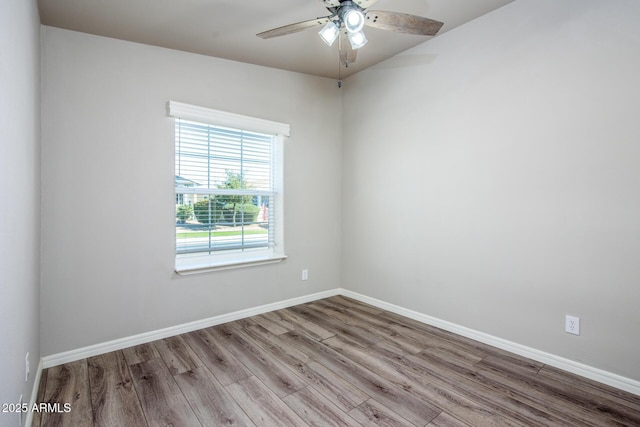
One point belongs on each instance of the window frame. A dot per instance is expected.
(224, 260)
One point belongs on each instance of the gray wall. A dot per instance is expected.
(492, 178)
(20, 208)
(108, 202)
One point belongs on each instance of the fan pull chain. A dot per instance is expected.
(339, 71)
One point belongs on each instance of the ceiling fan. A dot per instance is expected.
(346, 21)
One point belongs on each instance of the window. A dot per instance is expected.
(228, 193)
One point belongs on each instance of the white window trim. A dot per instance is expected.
(222, 118)
(189, 266)
(209, 263)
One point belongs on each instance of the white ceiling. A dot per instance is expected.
(227, 28)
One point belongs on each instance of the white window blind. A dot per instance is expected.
(226, 186)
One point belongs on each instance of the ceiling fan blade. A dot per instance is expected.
(331, 3)
(365, 3)
(402, 23)
(293, 28)
(347, 54)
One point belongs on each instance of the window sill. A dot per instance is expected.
(186, 267)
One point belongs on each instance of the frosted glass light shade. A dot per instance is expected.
(357, 40)
(329, 33)
(353, 20)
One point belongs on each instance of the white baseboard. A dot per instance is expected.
(34, 394)
(119, 344)
(599, 375)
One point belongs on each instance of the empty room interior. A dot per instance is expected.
(452, 231)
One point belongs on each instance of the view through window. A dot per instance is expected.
(224, 189)
(228, 189)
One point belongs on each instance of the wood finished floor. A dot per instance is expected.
(333, 362)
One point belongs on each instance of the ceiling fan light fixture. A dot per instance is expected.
(329, 33)
(353, 20)
(357, 40)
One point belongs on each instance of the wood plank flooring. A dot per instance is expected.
(333, 362)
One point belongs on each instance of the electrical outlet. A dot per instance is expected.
(26, 367)
(572, 325)
(305, 274)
